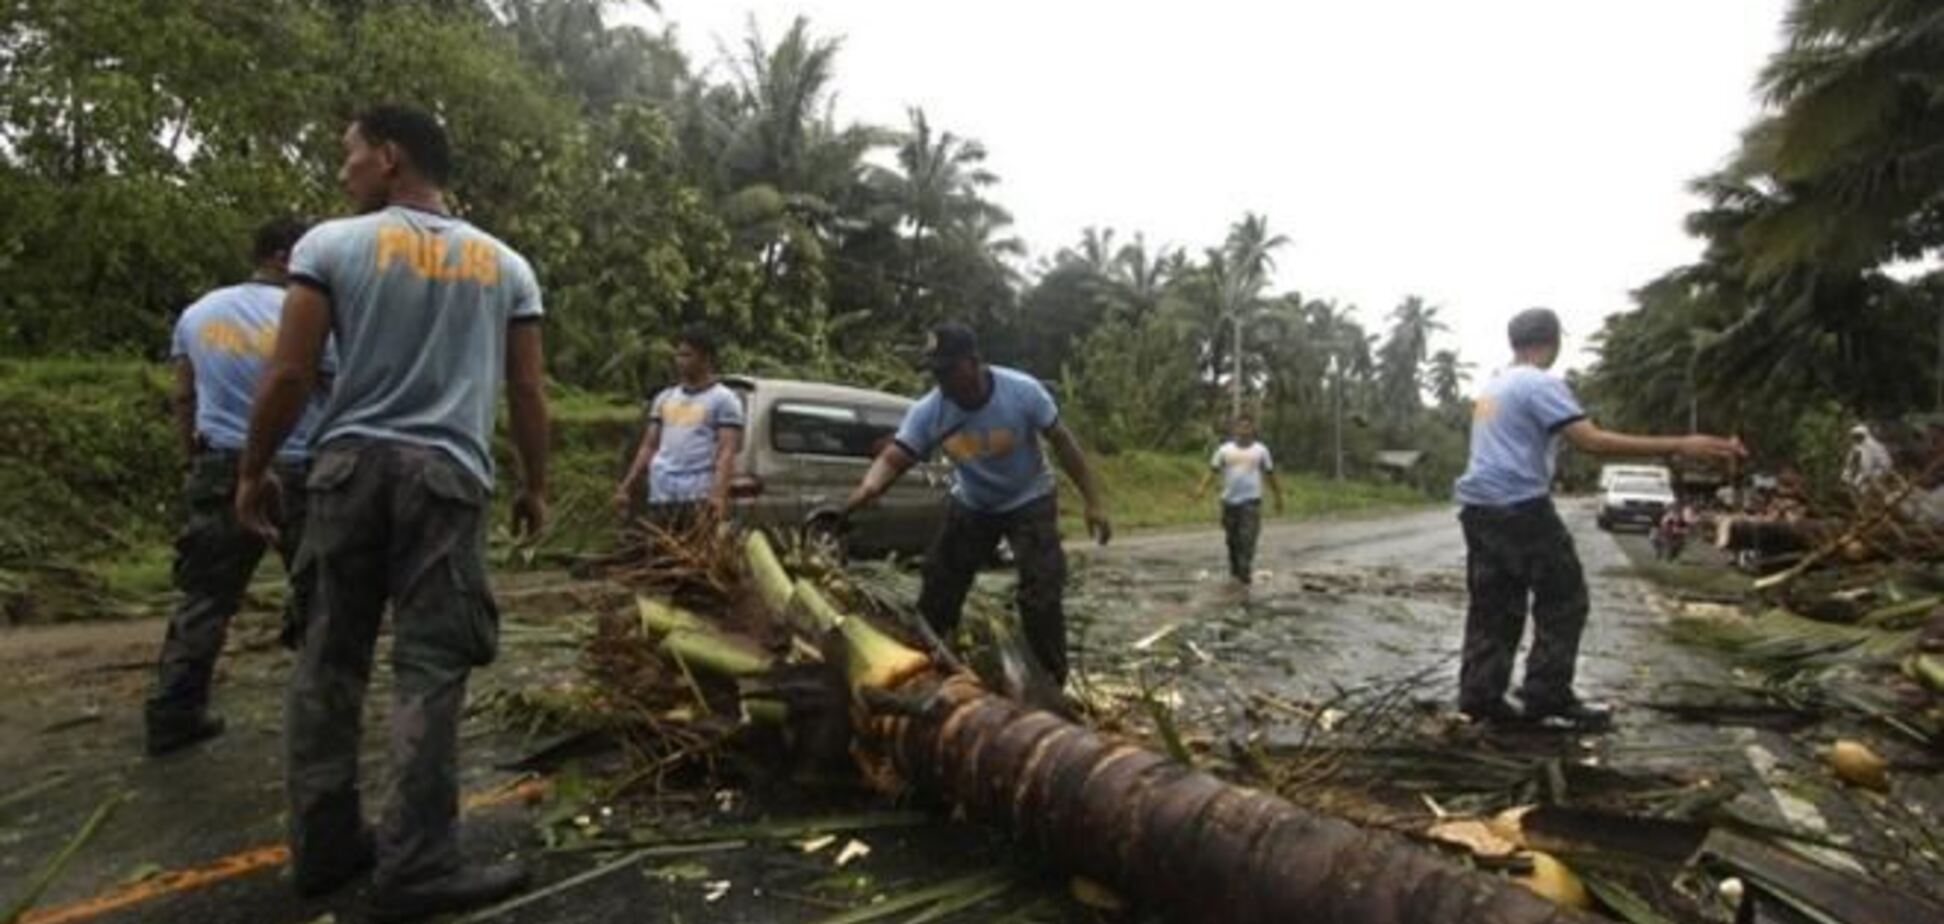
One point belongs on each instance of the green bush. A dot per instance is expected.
(88, 467)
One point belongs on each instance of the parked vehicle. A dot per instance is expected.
(1634, 501)
(807, 446)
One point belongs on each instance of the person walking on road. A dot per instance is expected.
(989, 421)
(695, 430)
(220, 348)
(1519, 554)
(430, 316)
(1243, 464)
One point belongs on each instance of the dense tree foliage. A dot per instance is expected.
(141, 140)
(1805, 296)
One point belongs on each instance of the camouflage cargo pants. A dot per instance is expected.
(1242, 525)
(967, 541)
(405, 525)
(215, 559)
(1519, 559)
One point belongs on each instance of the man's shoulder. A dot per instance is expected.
(1014, 378)
(344, 227)
(224, 300)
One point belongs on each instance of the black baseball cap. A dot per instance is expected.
(948, 343)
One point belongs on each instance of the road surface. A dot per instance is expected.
(1338, 603)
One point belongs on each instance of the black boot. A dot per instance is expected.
(1492, 712)
(312, 883)
(172, 734)
(467, 887)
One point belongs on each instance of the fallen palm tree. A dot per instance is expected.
(1166, 835)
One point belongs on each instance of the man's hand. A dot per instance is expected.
(1097, 524)
(529, 516)
(623, 497)
(1701, 446)
(257, 500)
(719, 506)
(1279, 505)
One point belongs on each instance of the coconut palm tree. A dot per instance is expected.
(1447, 375)
(1413, 322)
(1854, 142)
(1248, 259)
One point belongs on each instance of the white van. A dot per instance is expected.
(1612, 473)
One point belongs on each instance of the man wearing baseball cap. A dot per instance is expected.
(1519, 556)
(989, 420)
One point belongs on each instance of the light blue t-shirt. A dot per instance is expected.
(995, 448)
(420, 304)
(1242, 469)
(227, 337)
(1515, 436)
(691, 423)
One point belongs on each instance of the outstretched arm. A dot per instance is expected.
(1588, 437)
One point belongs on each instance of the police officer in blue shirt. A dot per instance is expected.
(220, 348)
(989, 421)
(1519, 555)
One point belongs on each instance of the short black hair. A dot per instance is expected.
(699, 337)
(277, 236)
(1534, 327)
(416, 131)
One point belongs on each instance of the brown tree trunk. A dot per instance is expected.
(1171, 837)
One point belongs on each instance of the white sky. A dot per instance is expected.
(1489, 155)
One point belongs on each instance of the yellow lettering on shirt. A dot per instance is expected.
(967, 445)
(429, 256)
(234, 339)
(683, 414)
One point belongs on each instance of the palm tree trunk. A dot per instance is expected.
(1175, 839)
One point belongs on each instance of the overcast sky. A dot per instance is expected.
(1489, 155)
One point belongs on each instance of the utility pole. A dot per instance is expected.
(1235, 404)
(1336, 394)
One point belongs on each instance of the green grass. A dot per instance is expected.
(1148, 490)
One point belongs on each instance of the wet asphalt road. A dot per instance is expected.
(1337, 603)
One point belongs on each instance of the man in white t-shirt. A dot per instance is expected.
(1244, 463)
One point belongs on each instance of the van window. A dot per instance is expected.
(815, 428)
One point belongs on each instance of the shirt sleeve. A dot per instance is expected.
(1268, 461)
(655, 406)
(313, 262)
(1040, 409)
(1554, 405)
(1215, 461)
(917, 434)
(728, 410)
(526, 291)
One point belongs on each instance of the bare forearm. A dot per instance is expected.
(1608, 443)
(527, 402)
(884, 471)
(1074, 463)
(725, 463)
(279, 403)
(643, 457)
